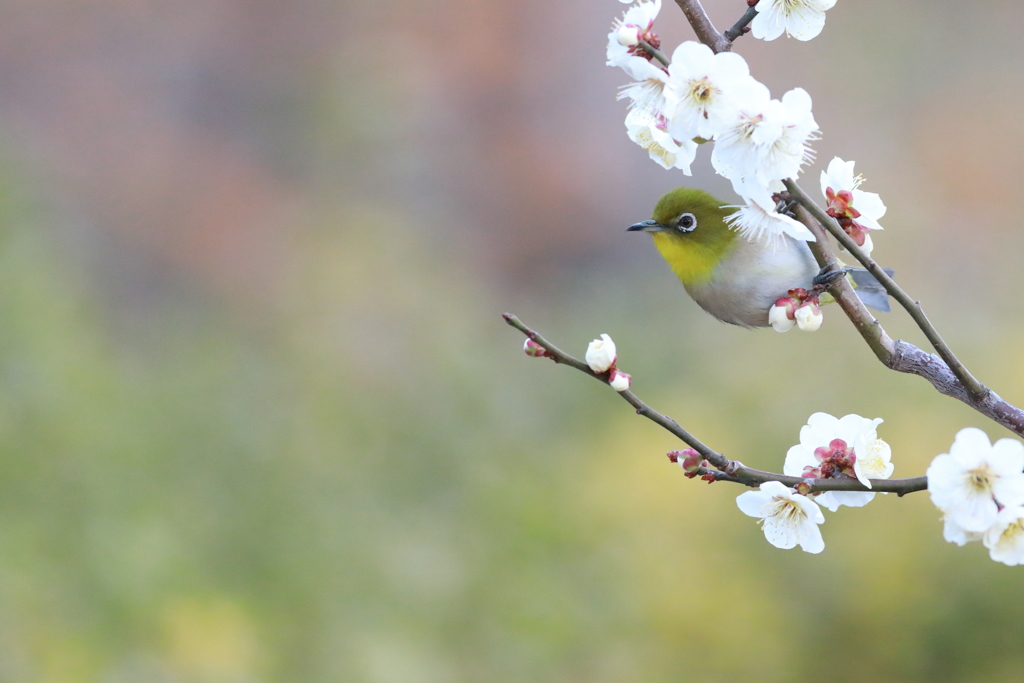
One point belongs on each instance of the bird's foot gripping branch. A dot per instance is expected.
(757, 264)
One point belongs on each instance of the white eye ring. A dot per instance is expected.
(687, 222)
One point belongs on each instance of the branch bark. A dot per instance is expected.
(702, 26)
(899, 355)
(975, 389)
(737, 29)
(946, 373)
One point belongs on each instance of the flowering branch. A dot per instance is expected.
(707, 94)
(842, 291)
(975, 389)
(727, 470)
(898, 355)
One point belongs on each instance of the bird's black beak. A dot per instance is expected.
(647, 226)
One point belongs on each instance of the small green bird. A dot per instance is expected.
(735, 279)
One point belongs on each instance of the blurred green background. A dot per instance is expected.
(260, 419)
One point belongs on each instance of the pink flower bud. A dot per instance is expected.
(628, 35)
(688, 459)
(781, 315)
(532, 348)
(693, 460)
(620, 381)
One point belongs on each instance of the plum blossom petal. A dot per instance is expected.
(758, 220)
(629, 57)
(767, 140)
(801, 19)
(855, 210)
(954, 533)
(1005, 538)
(975, 478)
(825, 449)
(703, 90)
(649, 132)
(788, 519)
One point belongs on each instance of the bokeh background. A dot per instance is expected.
(260, 419)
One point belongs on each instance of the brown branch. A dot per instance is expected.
(702, 26)
(738, 28)
(734, 470)
(976, 390)
(842, 291)
(899, 355)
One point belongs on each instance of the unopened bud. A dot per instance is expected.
(691, 461)
(532, 348)
(628, 35)
(601, 354)
(620, 381)
(803, 488)
(780, 316)
(809, 317)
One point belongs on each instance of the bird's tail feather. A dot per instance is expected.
(870, 290)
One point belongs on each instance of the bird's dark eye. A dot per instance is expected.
(687, 222)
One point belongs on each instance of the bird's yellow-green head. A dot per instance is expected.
(689, 229)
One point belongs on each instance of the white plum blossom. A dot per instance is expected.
(857, 211)
(601, 354)
(758, 220)
(626, 33)
(875, 462)
(788, 519)
(767, 140)
(703, 90)
(830, 447)
(975, 478)
(802, 19)
(647, 92)
(1005, 538)
(649, 132)
(736, 151)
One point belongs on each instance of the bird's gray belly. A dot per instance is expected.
(745, 284)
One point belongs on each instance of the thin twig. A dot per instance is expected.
(737, 29)
(842, 291)
(903, 356)
(975, 389)
(702, 26)
(655, 52)
(734, 470)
